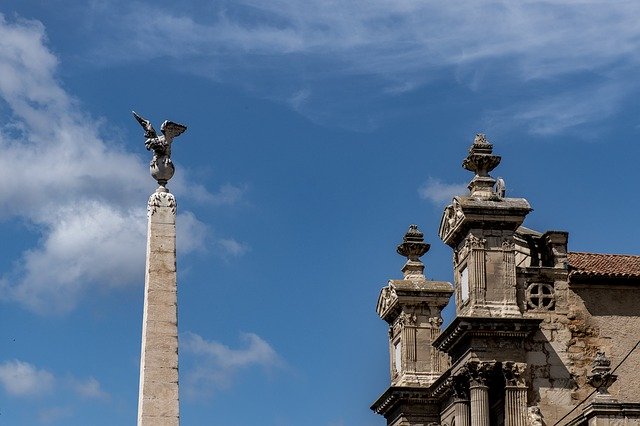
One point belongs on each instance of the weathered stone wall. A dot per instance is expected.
(585, 319)
(606, 317)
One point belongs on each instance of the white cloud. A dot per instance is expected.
(19, 378)
(405, 44)
(61, 172)
(88, 388)
(22, 379)
(232, 247)
(218, 364)
(439, 192)
(228, 195)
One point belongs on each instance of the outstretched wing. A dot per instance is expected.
(149, 131)
(171, 130)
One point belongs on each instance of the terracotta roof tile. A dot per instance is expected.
(603, 265)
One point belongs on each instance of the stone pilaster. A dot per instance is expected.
(479, 392)
(158, 393)
(515, 394)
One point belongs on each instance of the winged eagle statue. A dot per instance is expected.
(161, 166)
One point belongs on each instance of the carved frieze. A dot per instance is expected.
(161, 199)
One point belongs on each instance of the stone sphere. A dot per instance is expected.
(162, 169)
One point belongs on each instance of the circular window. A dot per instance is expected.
(541, 296)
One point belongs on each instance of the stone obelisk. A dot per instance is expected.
(158, 401)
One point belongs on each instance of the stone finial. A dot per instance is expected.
(601, 377)
(413, 247)
(481, 161)
(161, 166)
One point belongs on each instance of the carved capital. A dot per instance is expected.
(479, 372)
(460, 384)
(435, 322)
(508, 245)
(407, 319)
(514, 373)
(473, 242)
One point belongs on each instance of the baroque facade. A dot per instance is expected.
(542, 336)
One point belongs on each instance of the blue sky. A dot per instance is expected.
(318, 131)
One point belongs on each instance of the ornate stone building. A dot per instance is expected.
(542, 336)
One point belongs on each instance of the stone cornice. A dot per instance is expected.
(464, 327)
(398, 394)
(407, 292)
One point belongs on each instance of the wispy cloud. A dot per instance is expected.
(80, 189)
(19, 378)
(566, 111)
(89, 388)
(439, 192)
(217, 364)
(403, 45)
(232, 247)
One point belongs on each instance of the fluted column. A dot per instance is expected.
(158, 393)
(479, 392)
(515, 406)
(515, 400)
(461, 412)
(479, 404)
